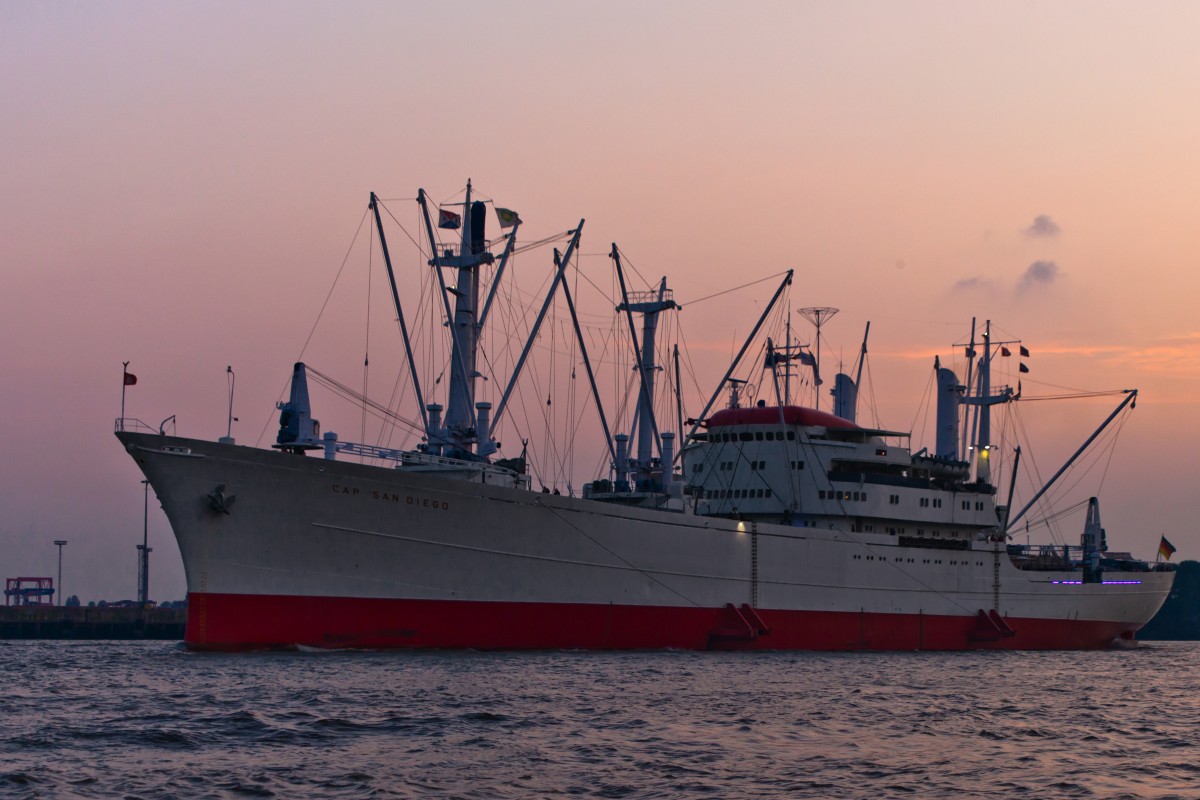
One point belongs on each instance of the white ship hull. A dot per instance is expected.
(334, 554)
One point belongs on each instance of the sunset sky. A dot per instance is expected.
(182, 181)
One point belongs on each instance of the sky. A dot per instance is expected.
(181, 183)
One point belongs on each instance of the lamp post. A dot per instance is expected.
(231, 378)
(58, 587)
(144, 550)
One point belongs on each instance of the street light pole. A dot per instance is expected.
(144, 550)
(58, 586)
(231, 379)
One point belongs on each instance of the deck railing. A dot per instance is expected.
(137, 426)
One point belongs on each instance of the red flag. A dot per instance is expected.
(1025, 351)
(130, 379)
(1004, 351)
(448, 219)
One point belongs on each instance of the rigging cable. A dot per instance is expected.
(378, 409)
(367, 343)
(316, 322)
(923, 408)
(774, 277)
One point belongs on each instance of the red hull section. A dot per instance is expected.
(245, 622)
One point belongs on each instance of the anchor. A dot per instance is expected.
(217, 500)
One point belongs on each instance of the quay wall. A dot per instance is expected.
(67, 622)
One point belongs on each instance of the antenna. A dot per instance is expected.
(818, 316)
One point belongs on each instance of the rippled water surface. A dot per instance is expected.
(121, 719)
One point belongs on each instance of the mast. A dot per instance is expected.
(773, 365)
(558, 278)
(787, 372)
(862, 356)
(985, 387)
(1012, 487)
(508, 251)
(983, 400)
(787, 281)
(1130, 399)
(648, 304)
(587, 362)
(466, 297)
(678, 392)
(412, 365)
(970, 369)
(460, 424)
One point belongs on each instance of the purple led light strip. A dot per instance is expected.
(1104, 583)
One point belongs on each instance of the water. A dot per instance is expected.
(123, 719)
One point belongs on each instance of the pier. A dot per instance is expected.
(77, 622)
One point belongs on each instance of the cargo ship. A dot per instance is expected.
(761, 524)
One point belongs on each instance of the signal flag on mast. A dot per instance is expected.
(506, 217)
(127, 379)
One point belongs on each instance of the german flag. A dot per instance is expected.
(1165, 549)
